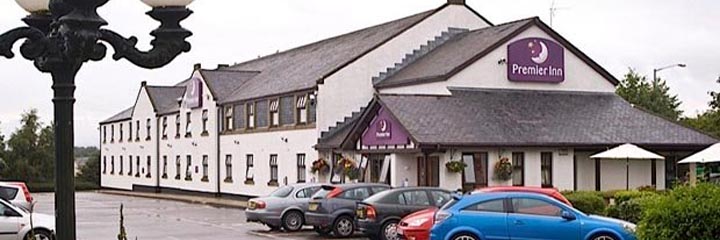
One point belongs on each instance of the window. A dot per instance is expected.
(177, 167)
(104, 164)
(164, 169)
(188, 173)
(205, 118)
(137, 162)
(205, 163)
(188, 124)
(164, 128)
(130, 130)
(535, 207)
(112, 133)
(356, 194)
(122, 136)
(148, 125)
(130, 165)
(121, 166)
(8, 192)
(287, 110)
(273, 170)
(228, 168)
(137, 130)
(7, 212)
(275, 113)
(301, 109)
(148, 164)
(177, 126)
(489, 206)
(301, 168)
(518, 175)
(546, 171)
(112, 165)
(104, 134)
(416, 198)
(229, 118)
(306, 192)
(250, 115)
(249, 171)
(475, 174)
(262, 110)
(440, 198)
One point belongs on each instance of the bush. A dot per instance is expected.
(587, 202)
(689, 213)
(624, 196)
(45, 187)
(630, 210)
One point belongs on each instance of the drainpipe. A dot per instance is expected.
(157, 153)
(218, 123)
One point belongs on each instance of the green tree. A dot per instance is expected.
(653, 96)
(715, 103)
(90, 172)
(708, 121)
(29, 154)
(3, 165)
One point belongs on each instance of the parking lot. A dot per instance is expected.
(98, 218)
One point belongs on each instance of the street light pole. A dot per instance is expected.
(656, 70)
(62, 36)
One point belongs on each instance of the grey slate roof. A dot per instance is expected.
(454, 53)
(223, 83)
(165, 98)
(303, 67)
(123, 115)
(492, 117)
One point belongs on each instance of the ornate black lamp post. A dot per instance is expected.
(62, 36)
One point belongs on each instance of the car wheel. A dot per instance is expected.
(603, 237)
(464, 236)
(292, 221)
(344, 226)
(40, 234)
(389, 230)
(322, 231)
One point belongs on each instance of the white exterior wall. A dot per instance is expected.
(406, 168)
(143, 148)
(196, 146)
(334, 102)
(585, 171)
(487, 73)
(261, 146)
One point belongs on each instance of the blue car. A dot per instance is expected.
(516, 215)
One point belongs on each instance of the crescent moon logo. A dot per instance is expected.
(543, 55)
(383, 126)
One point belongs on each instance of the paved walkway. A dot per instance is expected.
(213, 201)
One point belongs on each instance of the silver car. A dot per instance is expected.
(282, 208)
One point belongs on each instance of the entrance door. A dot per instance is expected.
(429, 171)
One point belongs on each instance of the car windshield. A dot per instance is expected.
(282, 192)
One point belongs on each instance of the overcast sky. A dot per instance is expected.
(618, 34)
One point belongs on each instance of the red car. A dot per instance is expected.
(417, 225)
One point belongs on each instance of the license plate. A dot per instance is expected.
(251, 205)
(313, 207)
(360, 213)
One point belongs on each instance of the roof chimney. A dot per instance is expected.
(457, 2)
(223, 66)
(198, 66)
(143, 83)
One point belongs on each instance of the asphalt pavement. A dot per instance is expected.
(98, 217)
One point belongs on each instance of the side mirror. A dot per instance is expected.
(567, 216)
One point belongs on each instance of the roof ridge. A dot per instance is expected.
(231, 70)
(331, 38)
(163, 86)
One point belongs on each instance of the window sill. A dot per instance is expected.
(177, 136)
(137, 139)
(249, 182)
(188, 135)
(164, 138)
(188, 179)
(164, 176)
(148, 176)
(205, 134)
(204, 179)
(303, 181)
(147, 139)
(137, 175)
(273, 184)
(228, 180)
(177, 177)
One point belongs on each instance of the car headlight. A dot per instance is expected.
(417, 222)
(629, 227)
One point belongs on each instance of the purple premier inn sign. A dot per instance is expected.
(536, 60)
(193, 93)
(384, 130)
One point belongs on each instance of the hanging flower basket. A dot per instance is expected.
(503, 169)
(455, 166)
(320, 166)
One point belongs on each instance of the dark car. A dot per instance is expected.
(379, 215)
(282, 208)
(332, 209)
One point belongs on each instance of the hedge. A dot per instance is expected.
(43, 187)
(587, 202)
(623, 196)
(688, 213)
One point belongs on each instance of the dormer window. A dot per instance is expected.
(229, 126)
(164, 128)
(188, 125)
(250, 115)
(301, 111)
(275, 113)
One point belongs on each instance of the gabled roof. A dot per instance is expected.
(457, 54)
(304, 67)
(497, 118)
(165, 98)
(121, 116)
(223, 82)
